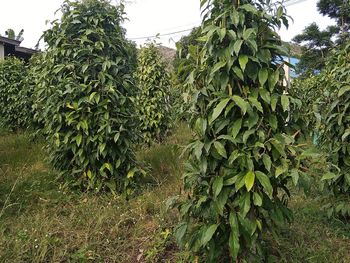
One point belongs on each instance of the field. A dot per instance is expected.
(41, 221)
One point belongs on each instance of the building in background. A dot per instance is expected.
(289, 71)
(11, 47)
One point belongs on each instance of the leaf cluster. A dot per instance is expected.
(153, 100)
(15, 94)
(336, 122)
(241, 159)
(83, 97)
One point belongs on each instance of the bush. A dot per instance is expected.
(153, 101)
(335, 130)
(186, 51)
(84, 96)
(15, 92)
(241, 160)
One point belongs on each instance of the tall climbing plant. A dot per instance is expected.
(84, 96)
(241, 160)
(153, 100)
(335, 129)
(15, 95)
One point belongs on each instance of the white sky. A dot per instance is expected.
(146, 18)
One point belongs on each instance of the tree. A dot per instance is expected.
(317, 44)
(241, 160)
(338, 10)
(153, 101)
(10, 33)
(84, 97)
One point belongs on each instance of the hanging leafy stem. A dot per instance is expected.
(152, 102)
(241, 159)
(84, 96)
(335, 138)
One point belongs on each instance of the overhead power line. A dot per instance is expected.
(162, 35)
(293, 2)
(287, 3)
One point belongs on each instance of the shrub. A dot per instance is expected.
(153, 101)
(15, 104)
(335, 138)
(241, 160)
(186, 51)
(84, 95)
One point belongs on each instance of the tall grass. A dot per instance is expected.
(42, 222)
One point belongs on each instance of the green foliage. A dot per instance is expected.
(335, 128)
(307, 117)
(153, 101)
(187, 50)
(84, 96)
(15, 92)
(338, 10)
(241, 159)
(316, 45)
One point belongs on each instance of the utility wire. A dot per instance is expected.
(287, 3)
(162, 35)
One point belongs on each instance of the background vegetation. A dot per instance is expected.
(261, 175)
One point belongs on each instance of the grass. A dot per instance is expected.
(40, 222)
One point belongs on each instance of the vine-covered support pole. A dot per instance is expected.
(84, 97)
(335, 131)
(152, 101)
(241, 160)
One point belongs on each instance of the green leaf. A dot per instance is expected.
(279, 12)
(343, 90)
(249, 180)
(263, 75)
(249, 8)
(256, 104)
(217, 186)
(238, 72)
(241, 103)
(218, 66)
(274, 100)
(234, 244)
(257, 199)
(265, 95)
(273, 79)
(218, 109)
(78, 139)
(279, 170)
(265, 182)
(208, 234)
(345, 135)
(180, 232)
(243, 60)
(236, 128)
(273, 122)
(285, 102)
(234, 155)
(220, 149)
(237, 46)
(247, 134)
(328, 176)
(222, 33)
(295, 176)
(245, 204)
(267, 162)
(198, 149)
(248, 32)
